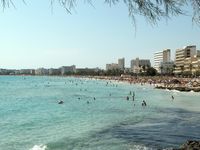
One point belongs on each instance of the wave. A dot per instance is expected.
(175, 91)
(39, 147)
(140, 147)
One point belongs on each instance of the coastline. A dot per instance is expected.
(170, 83)
(158, 82)
(111, 110)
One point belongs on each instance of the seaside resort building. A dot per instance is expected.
(120, 65)
(158, 58)
(186, 59)
(68, 69)
(53, 71)
(138, 65)
(162, 61)
(41, 71)
(112, 66)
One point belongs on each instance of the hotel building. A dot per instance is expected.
(112, 66)
(121, 63)
(138, 64)
(161, 58)
(68, 69)
(184, 58)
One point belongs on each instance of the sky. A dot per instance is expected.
(34, 35)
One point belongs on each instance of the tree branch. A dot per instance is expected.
(152, 10)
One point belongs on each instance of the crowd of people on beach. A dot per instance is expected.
(162, 82)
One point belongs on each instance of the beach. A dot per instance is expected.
(32, 118)
(159, 82)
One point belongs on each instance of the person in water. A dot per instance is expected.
(144, 103)
(172, 97)
(127, 98)
(60, 102)
(133, 98)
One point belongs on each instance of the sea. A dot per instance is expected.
(95, 115)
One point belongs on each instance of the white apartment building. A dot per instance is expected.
(121, 63)
(41, 71)
(162, 57)
(158, 58)
(137, 64)
(112, 66)
(67, 69)
(53, 71)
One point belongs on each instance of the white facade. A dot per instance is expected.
(158, 58)
(25, 71)
(41, 71)
(137, 64)
(112, 66)
(67, 69)
(53, 71)
(121, 63)
(162, 57)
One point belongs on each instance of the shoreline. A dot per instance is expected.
(158, 82)
(170, 83)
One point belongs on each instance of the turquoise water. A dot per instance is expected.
(31, 119)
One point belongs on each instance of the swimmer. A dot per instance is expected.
(60, 102)
(133, 98)
(133, 93)
(127, 98)
(144, 103)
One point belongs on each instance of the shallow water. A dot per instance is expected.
(30, 117)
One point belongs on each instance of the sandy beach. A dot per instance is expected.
(159, 82)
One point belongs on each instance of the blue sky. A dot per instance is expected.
(33, 36)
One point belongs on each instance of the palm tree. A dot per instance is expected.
(144, 68)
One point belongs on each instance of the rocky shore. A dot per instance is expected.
(190, 145)
(180, 88)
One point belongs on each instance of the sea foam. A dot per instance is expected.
(140, 147)
(39, 147)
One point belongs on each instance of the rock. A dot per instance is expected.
(190, 145)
